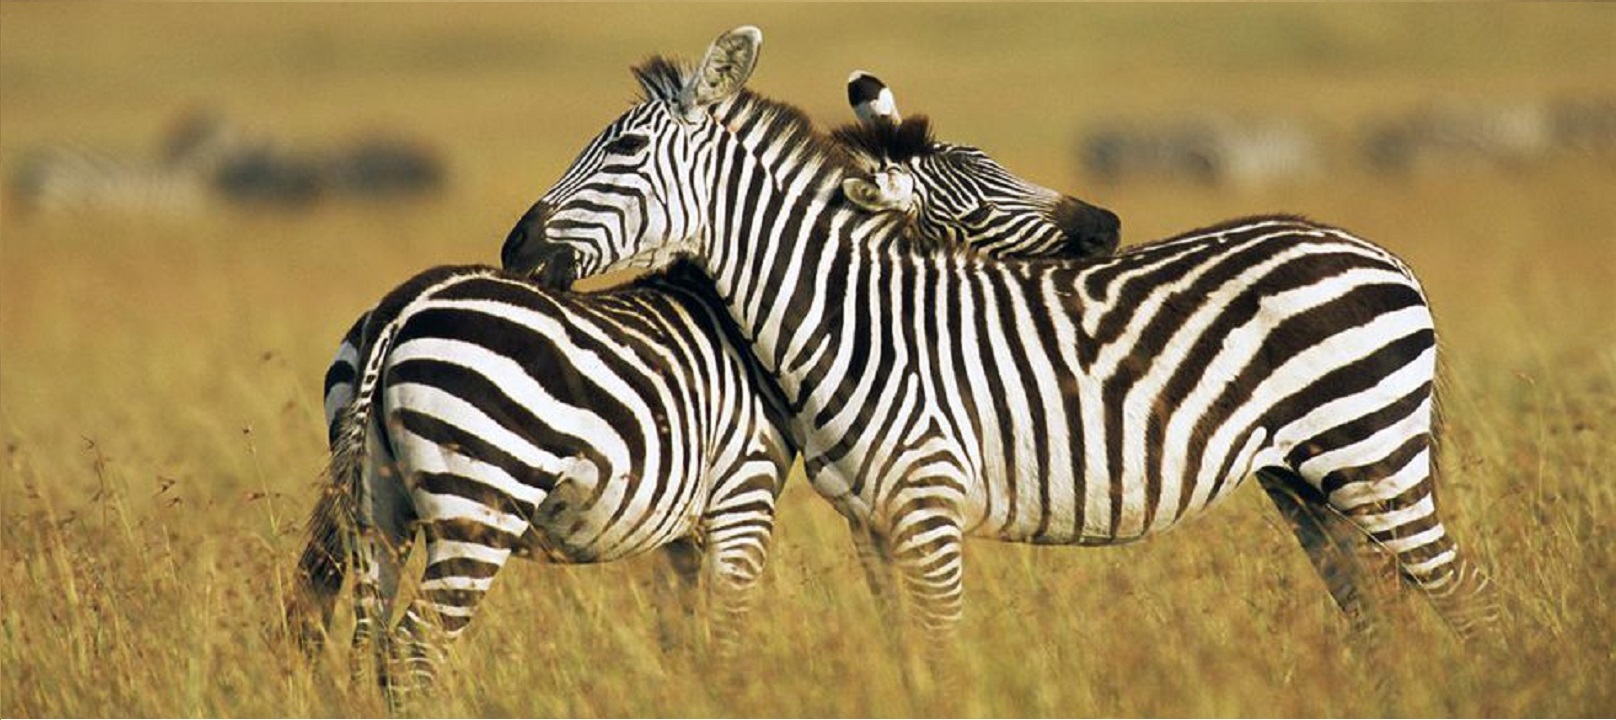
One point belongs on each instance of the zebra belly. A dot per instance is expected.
(1104, 505)
(1062, 529)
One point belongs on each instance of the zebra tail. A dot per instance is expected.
(336, 523)
(320, 569)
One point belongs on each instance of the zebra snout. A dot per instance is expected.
(526, 252)
(1094, 229)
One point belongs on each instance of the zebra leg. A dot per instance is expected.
(382, 537)
(678, 581)
(460, 568)
(930, 562)
(926, 543)
(1330, 541)
(1393, 502)
(738, 532)
(877, 563)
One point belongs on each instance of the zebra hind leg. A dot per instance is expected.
(1335, 547)
(676, 588)
(382, 536)
(1393, 502)
(460, 570)
(1331, 542)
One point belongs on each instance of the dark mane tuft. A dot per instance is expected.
(661, 77)
(884, 140)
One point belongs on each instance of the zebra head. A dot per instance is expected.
(625, 203)
(957, 193)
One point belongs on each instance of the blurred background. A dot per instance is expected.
(199, 199)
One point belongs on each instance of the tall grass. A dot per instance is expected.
(159, 380)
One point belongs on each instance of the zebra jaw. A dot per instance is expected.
(653, 259)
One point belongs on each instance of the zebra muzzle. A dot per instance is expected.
(1095, 229)
(527, 253)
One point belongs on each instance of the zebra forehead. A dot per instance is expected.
(882, 140)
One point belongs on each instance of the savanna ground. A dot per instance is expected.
(160, 379)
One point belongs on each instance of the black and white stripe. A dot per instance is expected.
(578, 427)
(937, 394)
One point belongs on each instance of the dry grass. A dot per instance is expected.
(159, 381)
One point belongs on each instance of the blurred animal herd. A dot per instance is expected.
(1435, 137)
(204, 160)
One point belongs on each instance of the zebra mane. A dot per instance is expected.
(793, 134)
(661, 78)
(880, 139)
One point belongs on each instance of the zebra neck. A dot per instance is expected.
(783, 250)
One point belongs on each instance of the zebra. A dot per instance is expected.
(76, 179)
(956, 194)
(204, 161)
(708, 397)
(1456, 134)
(939, 395)
(1211, 150)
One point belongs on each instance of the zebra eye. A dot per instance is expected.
(626, 145)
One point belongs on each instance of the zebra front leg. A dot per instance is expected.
(926, 546)
(1331, 545)
(876, 562)
(738, 533)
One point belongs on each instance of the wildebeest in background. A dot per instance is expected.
(380, 166)
(204, 162)
(1212, 150)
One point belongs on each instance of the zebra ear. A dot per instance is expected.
(729, 62)
(871, 99)
(893, 190)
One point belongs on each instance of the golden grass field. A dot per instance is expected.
(160, 378)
